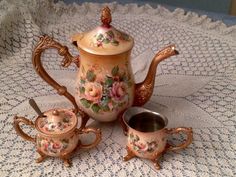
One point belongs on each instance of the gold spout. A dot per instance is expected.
(143, 90)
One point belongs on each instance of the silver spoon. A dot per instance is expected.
(35, 107)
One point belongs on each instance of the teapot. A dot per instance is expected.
(105, 85)
(57, 134)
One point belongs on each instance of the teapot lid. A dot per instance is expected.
(56, 122)
(104, 39)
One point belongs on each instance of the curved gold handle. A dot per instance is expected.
(98, 138)
(19, 131)
(45, 43)
(187, 131)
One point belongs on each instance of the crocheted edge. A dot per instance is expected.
(179, 17)
(190, 19)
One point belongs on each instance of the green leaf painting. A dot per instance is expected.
(106, 38)
(81, 90)
(105, 108)
(115, 43)
(115, 71)
(106, 41)
(85, 102)
(95, 108)
(110, 34)
(109, 82)
(90, 76)
(82, 81)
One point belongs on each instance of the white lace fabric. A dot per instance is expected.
(196, 89)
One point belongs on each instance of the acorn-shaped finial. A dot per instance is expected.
(106, 16)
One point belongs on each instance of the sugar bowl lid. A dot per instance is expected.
(56, 122)
(104, 39)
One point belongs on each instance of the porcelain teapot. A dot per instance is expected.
(105, 84)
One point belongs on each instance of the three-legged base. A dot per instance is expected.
(155, 159)
(64, 157)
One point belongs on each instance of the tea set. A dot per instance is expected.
(105, 91)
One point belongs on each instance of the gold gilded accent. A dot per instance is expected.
(97, 133)
(41, 157)
(143, 90)
(45, 43)
(189, 139)
(19, 131)
(106, 16)
(55, 112)
(129, 155)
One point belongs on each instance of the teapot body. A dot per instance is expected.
(105, 85)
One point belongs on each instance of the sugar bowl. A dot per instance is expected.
(57, 134)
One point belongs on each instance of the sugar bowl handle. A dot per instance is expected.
(97, 133)
(19, 131)
(189, 139)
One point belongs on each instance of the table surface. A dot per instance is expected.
(194, 89)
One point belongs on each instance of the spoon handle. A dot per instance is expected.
(35, 107)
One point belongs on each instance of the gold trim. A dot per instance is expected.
(45, 43)
(19, 131)
(143, 90)
(106, 16)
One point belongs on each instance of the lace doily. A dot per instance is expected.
(195, 88)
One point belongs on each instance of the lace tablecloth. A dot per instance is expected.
(195, 88)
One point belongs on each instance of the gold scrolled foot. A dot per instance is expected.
(130, 155)
(156, 164)
(41, 157)
(66, 158)
(67, 162)
(155, 160)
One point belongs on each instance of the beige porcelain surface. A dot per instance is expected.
(105, 85)
(104, 41)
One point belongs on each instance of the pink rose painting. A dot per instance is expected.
(104, 91)
(93, 92)
(141, 146)
(118, 90)
(53, 146)
(56, 145)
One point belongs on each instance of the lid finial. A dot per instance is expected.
(106, 16)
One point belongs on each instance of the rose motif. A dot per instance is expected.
(93, 91)
(118, 90)
(56, 145)
(141, 146)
